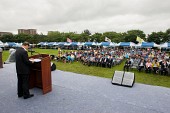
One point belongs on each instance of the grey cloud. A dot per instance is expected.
(77, 15)
(90, 10)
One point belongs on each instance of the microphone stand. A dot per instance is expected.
(30, 50)
(39, 55)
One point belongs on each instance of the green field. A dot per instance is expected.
(77, 67)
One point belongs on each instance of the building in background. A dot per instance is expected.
(5, 33)
(27, 31)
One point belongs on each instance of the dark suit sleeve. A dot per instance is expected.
(22, 61)
(26, 58)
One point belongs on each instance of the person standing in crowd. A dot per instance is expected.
(23, 71)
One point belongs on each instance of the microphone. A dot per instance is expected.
(40, 55)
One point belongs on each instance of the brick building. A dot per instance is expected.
(27, 31)
(4, 33)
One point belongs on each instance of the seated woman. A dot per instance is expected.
(72, 57)
(68, 58)
(59, 55)
(148, 66)
(155, 65)
(78, 55)
(63, 57)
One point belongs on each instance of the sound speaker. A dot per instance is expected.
(123, 78)
(53, 66)
(128, 79)
(117, 77)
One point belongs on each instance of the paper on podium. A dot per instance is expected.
(35, 60)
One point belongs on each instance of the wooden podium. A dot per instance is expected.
(41, 73)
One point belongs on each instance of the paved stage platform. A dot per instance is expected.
(77, 93)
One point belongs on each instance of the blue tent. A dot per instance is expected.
(45, 43)
(147, 44)
(74, 43)
(124, 44)
(17, 45)
(88, 43)
(55, 43)
(10, 44)
(42, 43)
(105, 43)
(67, 43)
(61, 43)
(50, 43)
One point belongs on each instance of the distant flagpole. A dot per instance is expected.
(107, 39)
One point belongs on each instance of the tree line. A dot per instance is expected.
(85, 36)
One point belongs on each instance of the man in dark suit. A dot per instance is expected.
(127, 64)
(23, 70)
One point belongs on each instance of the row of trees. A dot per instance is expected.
(56, 36)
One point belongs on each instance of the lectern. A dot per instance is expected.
(41, 73)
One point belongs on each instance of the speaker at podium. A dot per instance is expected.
(123, 78)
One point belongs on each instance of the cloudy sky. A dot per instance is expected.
(78, 15)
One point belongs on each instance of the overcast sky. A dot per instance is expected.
(78, 15)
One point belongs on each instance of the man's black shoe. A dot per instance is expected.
(20, 96)
(26, 97)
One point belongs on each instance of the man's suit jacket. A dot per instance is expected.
(164, 66)
(22, 61)
(128, 63)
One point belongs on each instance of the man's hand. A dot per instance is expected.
(32, 60)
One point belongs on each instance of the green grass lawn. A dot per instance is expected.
(77, 67)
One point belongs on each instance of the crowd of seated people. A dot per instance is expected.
(150, 60)
(100, 57)
(66, 57)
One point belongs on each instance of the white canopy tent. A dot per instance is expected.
(165, 45)
(1, 44)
